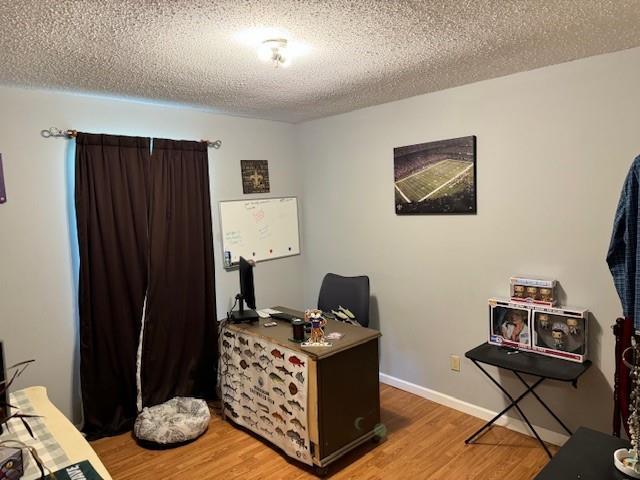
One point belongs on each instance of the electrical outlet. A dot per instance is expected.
(455, 363)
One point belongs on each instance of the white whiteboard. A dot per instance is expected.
(260, 229)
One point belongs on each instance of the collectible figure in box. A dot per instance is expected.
(509, 324)
(533, 290)
(560, 332)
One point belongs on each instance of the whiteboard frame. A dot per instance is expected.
(234, 266)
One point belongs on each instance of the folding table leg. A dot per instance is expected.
(524, 417)
(514, 403)
(545, 405)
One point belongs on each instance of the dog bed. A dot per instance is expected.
(176, 421)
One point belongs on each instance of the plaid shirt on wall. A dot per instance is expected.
(624, 255)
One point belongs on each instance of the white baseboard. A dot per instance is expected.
(520, 426)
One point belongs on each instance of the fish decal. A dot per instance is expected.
(277, 353)
(295, 404)
(279, 391)
(266, 419)
(237, 383)
(295, 436)
(277, 416)
(244, 364)
(232, 367)
(229, 335)
(284, 409)
(265, 359)
(285, 371)
(300, 377)
(244, 341)
(257, 366)
(279, 431)
(246, 397)
(249, 353)
(293, 360)
(226, 344)
(250, 421)
(229, 398)
(263, 407)
(249, 409)
(237, 350)
(258, 347)
(267, 431)
(226, 357)
(297, 423)
(244, 376)
(230, 410)
(276, 378)
(226, 385)
(292, 388)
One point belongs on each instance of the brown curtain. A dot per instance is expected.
(112, 210)
(180, 334)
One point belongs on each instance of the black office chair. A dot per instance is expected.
(349, 292)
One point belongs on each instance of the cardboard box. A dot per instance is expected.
(538, 291)
(561, 332)
(509, 324)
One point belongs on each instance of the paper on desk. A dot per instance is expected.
(262, 313)
(270, 310)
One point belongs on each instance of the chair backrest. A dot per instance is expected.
(348, 292)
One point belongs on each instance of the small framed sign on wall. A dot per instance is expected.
(3, 190)
(255, 176)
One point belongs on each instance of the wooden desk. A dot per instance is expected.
(344, 394)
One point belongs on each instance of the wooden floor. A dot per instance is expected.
(425, 441)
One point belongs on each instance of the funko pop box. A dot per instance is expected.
(539, 291)
(561, 332)
(509, 324)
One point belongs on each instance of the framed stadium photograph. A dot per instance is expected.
(436, 177)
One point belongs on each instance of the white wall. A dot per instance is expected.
(38, 317)
(553, 148)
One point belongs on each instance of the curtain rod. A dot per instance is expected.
(56, 132)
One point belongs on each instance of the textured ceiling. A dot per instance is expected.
(353, 53)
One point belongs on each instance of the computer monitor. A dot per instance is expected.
(247, 290)
(247, 294)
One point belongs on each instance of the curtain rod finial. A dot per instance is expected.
(215, 144)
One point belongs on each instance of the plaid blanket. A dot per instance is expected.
(47, 447)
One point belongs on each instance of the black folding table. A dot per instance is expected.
(525, 363)
(588, 455)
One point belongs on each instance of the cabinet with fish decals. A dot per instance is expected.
(315, 403)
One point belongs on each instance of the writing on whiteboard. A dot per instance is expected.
(233, 238)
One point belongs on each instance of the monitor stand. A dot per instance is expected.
(249, 316)
(241, 315)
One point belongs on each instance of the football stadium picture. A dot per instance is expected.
(436, 177)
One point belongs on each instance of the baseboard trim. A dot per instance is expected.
(520, 426)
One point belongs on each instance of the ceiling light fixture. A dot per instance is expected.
(274, 50)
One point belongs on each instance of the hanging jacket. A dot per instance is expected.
(624, 255)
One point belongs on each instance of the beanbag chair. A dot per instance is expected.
(176, 421)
